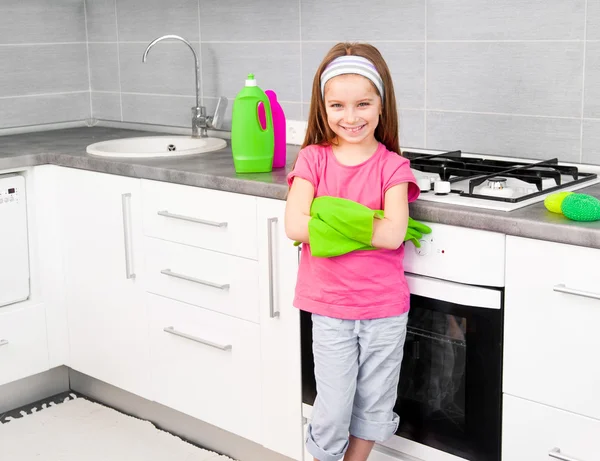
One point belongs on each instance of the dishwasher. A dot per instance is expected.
(14, 248)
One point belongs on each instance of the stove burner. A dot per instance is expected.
(497, 183)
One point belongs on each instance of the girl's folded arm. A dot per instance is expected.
(297, 209)
(389, 232)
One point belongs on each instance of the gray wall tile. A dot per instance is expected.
(312, 55)
(249, 21)
(593, 20)
(526, 137)
(42, 21)
(412, 128)
(101, 20)
(406, 62)
(106, 106)
(169, 69)
(145, 20)
(353, 20)
(275, 65)
(104, 66)
(159, 110)
(536, 78)
(591, 142)
(40, 110)
(505, 19)
(43, 69)
(592, 80)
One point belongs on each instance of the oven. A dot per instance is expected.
(450, 391)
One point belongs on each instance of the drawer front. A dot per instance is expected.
(216, 281)
(204, 218)
(536, 432)
(23, 343)
(551, 339)
(206, 365)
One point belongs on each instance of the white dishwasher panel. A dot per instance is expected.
(14, 250)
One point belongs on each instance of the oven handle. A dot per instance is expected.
(453, 292)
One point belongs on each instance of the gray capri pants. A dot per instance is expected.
(357, 368)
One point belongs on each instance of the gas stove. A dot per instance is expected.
(494, 183)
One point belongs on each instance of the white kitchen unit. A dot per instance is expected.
(552, 313)
(535, 432)
(206, 364)
(14, 249)
(101, 231)
(280, 333)
(23, 342)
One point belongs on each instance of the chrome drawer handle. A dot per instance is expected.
(192, 219)
(3, 342)
(173, 331)
(556, 454)
(562, 288)
(126, 205)
(170, 273)
(272, 312)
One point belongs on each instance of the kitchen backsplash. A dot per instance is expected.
(502, 77)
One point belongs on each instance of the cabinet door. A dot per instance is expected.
(536, 432)
(280, 334)
(552, 313)
(23, 342)
(102, 240)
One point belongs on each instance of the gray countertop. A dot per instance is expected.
(215, 171)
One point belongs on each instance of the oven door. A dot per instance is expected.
(449, 394)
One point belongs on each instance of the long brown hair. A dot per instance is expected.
(318, 131)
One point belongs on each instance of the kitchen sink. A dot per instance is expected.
(155, 146)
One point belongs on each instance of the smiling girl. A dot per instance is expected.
(360, 300)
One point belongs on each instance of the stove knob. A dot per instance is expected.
(441, 187)
(423, 249)
(424, 184)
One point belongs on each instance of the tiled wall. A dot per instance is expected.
(507, 77)
(43, 62)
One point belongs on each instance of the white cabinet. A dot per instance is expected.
(552, 314)
(206, 364)
(23, 342)
(531, 431)
(211, 219)
(102, 240)
(280, 334)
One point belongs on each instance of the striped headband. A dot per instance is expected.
(352, 65)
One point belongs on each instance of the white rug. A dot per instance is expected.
(80, 430)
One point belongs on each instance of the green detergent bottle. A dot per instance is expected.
(252, 145)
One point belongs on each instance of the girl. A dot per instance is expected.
(360, 300)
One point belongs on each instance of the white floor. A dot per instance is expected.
(80, 430)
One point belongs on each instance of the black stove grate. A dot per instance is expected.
(453, 167)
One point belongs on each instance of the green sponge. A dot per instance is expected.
(581, 207)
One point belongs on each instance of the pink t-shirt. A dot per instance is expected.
(362, 284)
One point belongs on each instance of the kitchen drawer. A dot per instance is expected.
(216, 281)
(530, 431)
(23, 342)
(551, 339)
(215, 220)
(208, 366)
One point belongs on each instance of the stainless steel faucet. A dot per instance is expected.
(200, 121)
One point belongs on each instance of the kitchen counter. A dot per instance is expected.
(215, 171)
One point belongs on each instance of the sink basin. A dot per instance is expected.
(155, 146)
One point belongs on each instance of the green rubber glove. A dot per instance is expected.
(349, 218)
(327, 242)
(415, 231)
